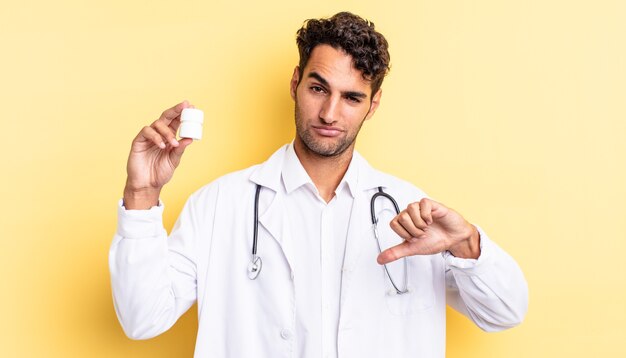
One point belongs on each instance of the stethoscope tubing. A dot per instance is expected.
(381, 193)
(255, 235)
(255, 266)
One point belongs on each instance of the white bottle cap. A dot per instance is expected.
(191, 123)
(192, 115)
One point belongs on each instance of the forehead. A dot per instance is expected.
(336, 67)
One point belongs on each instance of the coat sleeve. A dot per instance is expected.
(490, 290)
(153, 277)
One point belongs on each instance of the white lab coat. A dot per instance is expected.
(156, 279)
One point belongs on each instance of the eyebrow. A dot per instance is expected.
(324, 82)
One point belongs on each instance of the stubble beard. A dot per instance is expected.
(318, 147)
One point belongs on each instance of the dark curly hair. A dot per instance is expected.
(354, 35)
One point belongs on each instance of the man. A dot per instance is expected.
(320, 289)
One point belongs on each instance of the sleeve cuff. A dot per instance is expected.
(139, 224)
(472, 265)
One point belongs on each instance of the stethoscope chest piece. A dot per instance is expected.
(254, 268)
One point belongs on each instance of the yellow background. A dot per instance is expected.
(512, 112)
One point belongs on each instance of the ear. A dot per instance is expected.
(374, 104)
(295, 79)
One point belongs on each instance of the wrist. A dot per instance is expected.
(468, 248)
(141, 198)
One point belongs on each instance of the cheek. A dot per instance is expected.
(356, 114)
(308, 105)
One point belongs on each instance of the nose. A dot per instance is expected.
(329, 110)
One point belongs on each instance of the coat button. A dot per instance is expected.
(285, 334)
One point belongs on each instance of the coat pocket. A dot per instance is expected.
(421, 289)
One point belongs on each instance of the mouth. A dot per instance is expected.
(327, 131)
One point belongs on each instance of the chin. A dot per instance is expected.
(326, 149)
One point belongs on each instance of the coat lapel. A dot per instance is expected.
(271, 208)
(273, 220)
(360, 235)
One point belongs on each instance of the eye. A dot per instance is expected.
(353, 99)
(317, 89)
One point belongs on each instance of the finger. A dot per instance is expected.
(399, 229)
(177, 153)
(426, 207)
(396, 252)
(149, 134)
(407, 223)
(168, 133)
(438, 210)
(175, 123)
(173, 113)
(414, 211)
(184, 143)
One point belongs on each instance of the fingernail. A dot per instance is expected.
(174, 142)
(162, 145)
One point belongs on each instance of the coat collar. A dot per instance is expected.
(294, 175)
(284, 165)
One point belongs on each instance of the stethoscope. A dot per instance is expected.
(256, 264)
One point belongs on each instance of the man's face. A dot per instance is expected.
(332, 102)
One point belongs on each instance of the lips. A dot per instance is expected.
(327, 131)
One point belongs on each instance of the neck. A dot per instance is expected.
(326, 172)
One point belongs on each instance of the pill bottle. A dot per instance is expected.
(191, 123)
